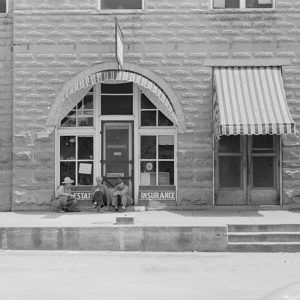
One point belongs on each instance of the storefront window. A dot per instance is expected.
(151, 116)
(76, 159)
(82, 115)
(157, 160)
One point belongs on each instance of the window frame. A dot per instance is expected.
(76, 160)
(77, 116)
(157, 159)
(124, 9)
(243, 7)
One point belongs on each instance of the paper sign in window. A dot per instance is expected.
(85, 168)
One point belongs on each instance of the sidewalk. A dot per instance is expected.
(147, 218)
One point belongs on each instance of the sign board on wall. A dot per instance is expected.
(82, 192)
(157, 193)
(119, 44)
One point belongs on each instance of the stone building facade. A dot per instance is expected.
(44, 45)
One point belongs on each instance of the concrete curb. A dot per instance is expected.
(116, 238)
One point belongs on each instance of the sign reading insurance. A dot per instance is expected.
(157, 193)
(119, 44)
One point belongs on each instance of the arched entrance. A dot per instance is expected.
(118, 124)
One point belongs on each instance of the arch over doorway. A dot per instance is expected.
(155, 87)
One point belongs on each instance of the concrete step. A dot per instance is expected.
(242, 237)
(264, 228)
(264, 247)
(116, 238)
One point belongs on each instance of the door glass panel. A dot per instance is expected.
(166, 146)
(67, 147)
(263, 172)
(230, 172)
(117, 153)
(165, 173)
(85, 147)
(148, 147)
(148, 173)
(230, 144)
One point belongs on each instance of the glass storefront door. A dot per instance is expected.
(247, 170)
(117, 153)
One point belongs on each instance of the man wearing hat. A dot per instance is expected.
(99, 195)
(122, 191)
(67, 201)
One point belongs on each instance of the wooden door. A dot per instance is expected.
(247, 170)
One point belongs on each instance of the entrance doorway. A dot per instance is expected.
(117, 153)
(247, 170)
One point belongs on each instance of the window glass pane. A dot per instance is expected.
(67, 147)
(263, 171)
(68, 122)
(148, 146)
(116, 105)
(262, 141)
(166, 173)
(85, 122)
(2, 6)
(229, 144)
(148, 173)
(146, 103)
(85, 173)
(121, 4)
(67, 169)
(122, 88)
(79, 105)
(163, 120)
(88, 102)
(166, 146)
(148, 118)
(85, 147)
(259, 4)
(226, 3)
(230, 172)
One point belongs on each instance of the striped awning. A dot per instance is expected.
(74, 94)
(250, 100)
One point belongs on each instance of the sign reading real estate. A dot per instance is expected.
(119, 45)
(157, 193)
(82, 192)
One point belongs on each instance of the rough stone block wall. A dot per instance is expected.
(6, 107)
(177, 40)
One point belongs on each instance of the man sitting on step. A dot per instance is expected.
(122, 192)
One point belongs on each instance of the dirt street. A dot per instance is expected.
(118, 275)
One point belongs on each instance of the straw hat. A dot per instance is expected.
(68, 180)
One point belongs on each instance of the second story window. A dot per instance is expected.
(3, 6)
(243, 4)
(121, 4)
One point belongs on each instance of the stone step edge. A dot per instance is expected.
(252, 228)
(258, 233)
(263, 243)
